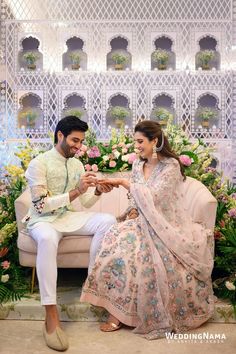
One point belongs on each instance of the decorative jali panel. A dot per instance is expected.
(185, 22)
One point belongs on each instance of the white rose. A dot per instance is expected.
(105, 158)
(229, 285)
(116, 154)
(125, 158)
(5, 278)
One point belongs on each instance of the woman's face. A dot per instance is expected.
(144, 145)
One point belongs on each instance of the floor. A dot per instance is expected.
(25, 337)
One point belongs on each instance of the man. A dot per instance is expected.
(56, 178)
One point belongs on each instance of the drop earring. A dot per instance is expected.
(154, 152)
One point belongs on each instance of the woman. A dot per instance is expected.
(153, 270)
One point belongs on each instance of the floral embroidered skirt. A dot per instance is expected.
(139, 281)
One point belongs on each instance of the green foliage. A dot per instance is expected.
(160, 56)
(75, 57)
(120, 58)
(31, 57)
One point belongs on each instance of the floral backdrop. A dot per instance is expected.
(118, 155)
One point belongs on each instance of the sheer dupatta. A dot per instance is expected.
(188, 241)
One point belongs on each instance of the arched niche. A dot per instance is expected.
(163, 110)
(119, 58)
(30, 114)
(74, 104)
(29, 56)
(208, 56)
(119, 112)
(163, 56)
(207, 113)
(74, 58)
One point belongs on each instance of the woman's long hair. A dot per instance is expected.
(152, 130)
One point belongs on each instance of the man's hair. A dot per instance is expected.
(68, 124)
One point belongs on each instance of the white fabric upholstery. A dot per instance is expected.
(73, 251)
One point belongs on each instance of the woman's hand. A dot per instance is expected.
(116, 182)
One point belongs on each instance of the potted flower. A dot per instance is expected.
(31, 58)
(75, 112)
(161, 57)
(119, 114)
(30, 117)
(162, 115)
(75, 58)
(206, 114)
(120, 60)
(204, 57)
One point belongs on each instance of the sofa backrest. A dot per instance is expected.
(199, 202)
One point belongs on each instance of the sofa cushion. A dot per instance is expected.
(68, 244)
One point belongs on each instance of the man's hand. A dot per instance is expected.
(104, 188)
(87, 180)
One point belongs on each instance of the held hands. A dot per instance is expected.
(89, 180)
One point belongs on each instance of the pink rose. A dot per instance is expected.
(95, 168)
(112, 164)
(185, 160)
(132, 157)
(84, 148)
(124, 151)
(80, 153)
(114, 146)
(5, 264)
(88, 167)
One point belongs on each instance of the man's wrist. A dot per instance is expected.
(97, 192)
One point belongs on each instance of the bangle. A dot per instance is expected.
(97, 192)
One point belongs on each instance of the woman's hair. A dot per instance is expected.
(68, 124)
(152, 130)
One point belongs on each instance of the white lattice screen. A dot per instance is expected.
(96, 22)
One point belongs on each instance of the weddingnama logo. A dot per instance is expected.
(204, 337)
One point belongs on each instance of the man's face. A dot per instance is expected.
(71, 144)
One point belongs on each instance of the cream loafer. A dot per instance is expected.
(56, 340)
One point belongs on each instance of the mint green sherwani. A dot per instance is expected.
(50, 177)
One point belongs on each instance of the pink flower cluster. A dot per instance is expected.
(5, 264)
(185, 160)
(232, 213)
(93, 152)
(89, 167)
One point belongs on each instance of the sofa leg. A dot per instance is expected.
(32, 280)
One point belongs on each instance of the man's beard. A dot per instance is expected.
(66, 149)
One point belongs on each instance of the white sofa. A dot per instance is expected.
(73, 251)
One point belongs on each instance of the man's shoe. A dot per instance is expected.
(56, 340)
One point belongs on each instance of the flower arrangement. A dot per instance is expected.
(75, 112)
(75, 58)
(114, 156)
(120, 60)
(161, 57)
(204, 57)
(206, 114)
(118, 114)
(162, 115)
(31, 58)
(30, 117)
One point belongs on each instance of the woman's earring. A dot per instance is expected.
(154, 152)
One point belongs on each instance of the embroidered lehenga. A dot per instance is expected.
(154, 272)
